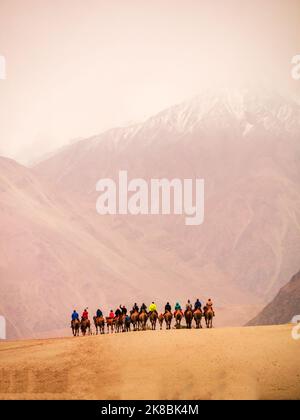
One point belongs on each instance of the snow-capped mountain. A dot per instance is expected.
(245, 144)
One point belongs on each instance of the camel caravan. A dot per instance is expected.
(141, 319)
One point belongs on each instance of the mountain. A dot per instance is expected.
(58, 253)
(245, 144)
(55, 257)
(283, 307)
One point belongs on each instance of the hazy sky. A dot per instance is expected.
(78, 67)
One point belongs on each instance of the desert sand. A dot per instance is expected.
(222, 363)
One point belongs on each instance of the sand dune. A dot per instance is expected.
(229, 363)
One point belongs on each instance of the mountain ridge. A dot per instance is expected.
(283, 307)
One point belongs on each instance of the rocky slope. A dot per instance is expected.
(283, 307)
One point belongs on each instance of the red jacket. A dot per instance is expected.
(85, 314)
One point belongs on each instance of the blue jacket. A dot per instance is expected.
(75, 316)
(197, 304)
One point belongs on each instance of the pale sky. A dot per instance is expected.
(78, 67)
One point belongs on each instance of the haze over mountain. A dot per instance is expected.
(58, 253)
(245, 145)
(55, 258)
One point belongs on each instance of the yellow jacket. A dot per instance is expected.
(152, 307)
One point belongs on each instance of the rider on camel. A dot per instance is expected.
(75, 315)
(99, 313)
(85, 314)
(168, 308)
(143, 308)
(135, 308)
(153, 308)
(178, 308)
(123, 309)
(197, 305)
(118, 312)
(209, 305)
(188, 306)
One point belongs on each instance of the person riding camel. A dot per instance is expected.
(209, 305)
(143, 308)
(118, 312)
(135, 308)
(178, 308)
(168, 308)
(123, 309)
(85, 314)
(197, 305)
(75, 315)
(99, 313)
(111, 314)
(188, 306)
(153, 308)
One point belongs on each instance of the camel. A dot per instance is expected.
(99, 323)
(127, 323)
(198, 317)
(188, 318)
(161, 320)
(110, 324)
(135, 320)
(143, 317)
(209, 314)
(168, 318)
(178, 318)
(75, 325)
(153, 318)
(85, 326)
(119, 324)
